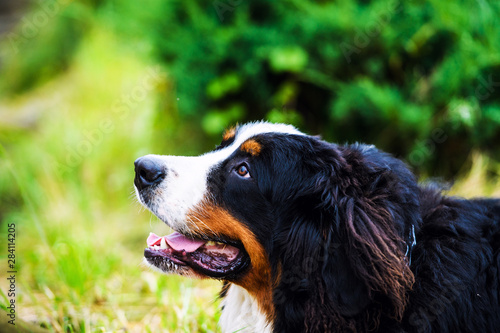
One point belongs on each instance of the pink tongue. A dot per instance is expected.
(153, 239)
(176, 241)
(179, 242)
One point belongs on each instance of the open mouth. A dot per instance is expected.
(213, 258)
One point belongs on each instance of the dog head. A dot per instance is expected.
(309, 228)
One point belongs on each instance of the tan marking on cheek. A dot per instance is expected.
(211, 220)
(252, 147)
(229, 134)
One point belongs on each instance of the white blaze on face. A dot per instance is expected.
(185, 184)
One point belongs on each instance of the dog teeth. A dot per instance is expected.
(213, 243)
(163, 244)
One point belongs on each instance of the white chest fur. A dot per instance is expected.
(241, 313)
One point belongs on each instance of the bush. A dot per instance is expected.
(419, 79)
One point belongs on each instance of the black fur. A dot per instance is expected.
(337, 224)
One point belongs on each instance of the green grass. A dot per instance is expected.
(66, 182)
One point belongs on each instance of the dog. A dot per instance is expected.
(311, 236)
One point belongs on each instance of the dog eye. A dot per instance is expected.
(242, 171)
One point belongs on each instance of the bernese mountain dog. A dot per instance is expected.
(311, 236)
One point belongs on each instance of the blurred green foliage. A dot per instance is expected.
(386, 72)
(67, 148)
(390, 73)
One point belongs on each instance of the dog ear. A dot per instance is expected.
(374, 201)
(317, 284)
(347, 290)
(369, 201)
(340, 239)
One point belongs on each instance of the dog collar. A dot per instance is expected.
(412, 241)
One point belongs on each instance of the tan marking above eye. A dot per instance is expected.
(252, 147)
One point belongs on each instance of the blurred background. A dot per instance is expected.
(87, 86)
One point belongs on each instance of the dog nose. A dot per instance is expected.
(148, 171)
